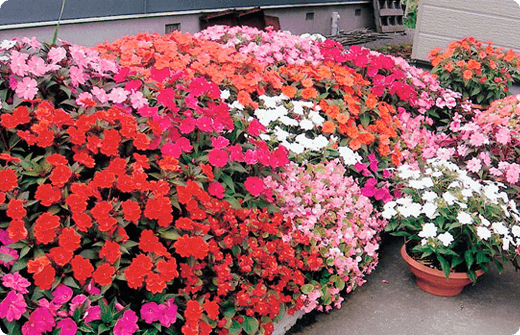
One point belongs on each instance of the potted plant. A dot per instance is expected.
(452, 223)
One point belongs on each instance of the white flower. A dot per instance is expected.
(516, 231)
(316, 118)
(389, 210)
(430, 209)
(500, 228)
(429, 196)
(288, 121)
(449, 198)
(506, 240)
(349, 157)
(405, 172)
(483, 233)
(6, 44)
(224, 94)
(295, 147)
(428, 230)
(281, 134)
(446, 238)
(484, 221)
(464, 218)
(306, 124)
(413, 209)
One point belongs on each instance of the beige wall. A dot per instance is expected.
(91, 32)
(442, 21)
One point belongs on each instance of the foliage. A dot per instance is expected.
(476, 69)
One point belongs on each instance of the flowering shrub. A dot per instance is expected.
(452, 221)
(269, 46)
(335, 229)
(478, 70)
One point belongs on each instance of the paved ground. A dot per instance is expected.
(398, 307)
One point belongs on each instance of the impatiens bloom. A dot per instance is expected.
(127, 324)
(68, 326)
(254, 185)
(446, 238)
(26, 89)
(13, 306)
(16, 282)
(428, 230)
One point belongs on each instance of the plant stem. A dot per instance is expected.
(58, 24)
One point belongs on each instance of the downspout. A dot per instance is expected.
(145, 10)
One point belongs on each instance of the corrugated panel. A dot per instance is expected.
(28, 11)
(25, 11)
(442, 21)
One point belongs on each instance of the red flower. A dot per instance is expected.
(69, 240)
(254, 185)
(103, 179)
(148, 242)
(103, 274)
(56, 160)
(184, 223)
(111, 251)
(17, 230)
(77, 203)
(84, 158)
(154, 283)
(45, 278)
(117, 166)
(193, 311)
(212, 309)
(159, 209)
(19, 116)
(138, 269)
(131, 211)
(169, 163)
(47, 194)
(218, 157)
(125, 183)
(82, 268)
(44, 228)
(15, 209)
(8, 180)
(167, 269)
(45, 138)
(195, 246)
(110, 144)
(60, 175)
(60, 255)
(77, 137)
(9, 158)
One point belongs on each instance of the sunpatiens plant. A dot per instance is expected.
(478, 70)
(452, 221)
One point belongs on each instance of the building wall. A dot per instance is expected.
(442, 21)
(91, 31)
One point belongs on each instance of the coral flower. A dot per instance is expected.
(8, 180)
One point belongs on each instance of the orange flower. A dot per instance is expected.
(307, 83)
(448, 66)
(473, 64)
(328, 127)
(467, 74)
(309, 93)
(355, 144)
(289, 91)
(510, 55)
(371, 101)
(436, 60)
(342, 118)
(449, 52)
(461, 63)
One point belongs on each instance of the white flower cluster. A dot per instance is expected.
(461, 190)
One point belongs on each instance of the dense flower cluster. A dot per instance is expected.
(476, 69)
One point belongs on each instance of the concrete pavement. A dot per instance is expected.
(390, 303)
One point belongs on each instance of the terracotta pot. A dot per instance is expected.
(434, 281)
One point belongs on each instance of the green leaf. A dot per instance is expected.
(170, 235)
(13, 328)
(444, 265)
(468, 256)
(228, 181)
(307, 288)
(250, 325)
(106, 315)
(70, 282)
(235, 328)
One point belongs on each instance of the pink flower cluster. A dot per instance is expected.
(328, 207)
(269, 46)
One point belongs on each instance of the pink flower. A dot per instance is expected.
(77, 76)
(18, 63)
(219, 142)
(16, 282)
(100, 94)
(474, 165)
(127, 324)
(26, 89)
(503, 135)
(68, 327)
(235, 153)
(477, 139)
(62, 294)
(77, 301)
(168, 313)
(37, 66)
(56, 54)
(218, 157)
(118, 95)
(513, 173)
(255, 128)
(13, 306)
(216, 189)
(254, 185)
(187, 125)
(150, 312)
(138, 100)
(93, 313)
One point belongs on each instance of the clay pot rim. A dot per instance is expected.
(434, 272)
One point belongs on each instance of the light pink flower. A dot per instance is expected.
(18, 63)
(37, 66)
(56, 54)
(503, 135)
(118, 95)
(16, 282)
(474, 165)
(26, 89)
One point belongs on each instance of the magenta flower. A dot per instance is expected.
(68, 326)
(127, 325)
(16, 282)
(150, 312)
(254, 185)
(93, 313)
(26, 89)
(168, 313)
(13, 306)
(62, 294)
(216, 189)
(219, 142)
(218, 157)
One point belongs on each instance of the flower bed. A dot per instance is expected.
(162, 184)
